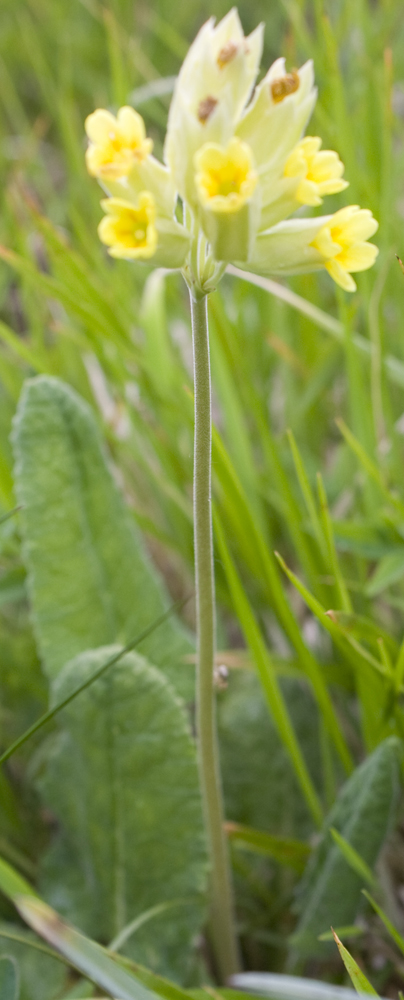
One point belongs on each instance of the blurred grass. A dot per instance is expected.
(120, 334)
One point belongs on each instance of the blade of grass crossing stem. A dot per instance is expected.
(357, 977)
(236, 502)
(98, 673)
(352, 858)
(332, 555)
(267, 674)
(399, 940)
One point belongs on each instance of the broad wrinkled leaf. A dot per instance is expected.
(121, 778)
(260, 786)
(91, 582)
(330, 891)
(9, 986)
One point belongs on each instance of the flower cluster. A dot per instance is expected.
(236, 159)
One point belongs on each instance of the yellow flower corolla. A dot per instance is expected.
(342, 243)
(225, 178)
(116, 144)
(320, 172)
(129, 230)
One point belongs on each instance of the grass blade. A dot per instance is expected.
(357, 977)
(267, 674)
(98, 673)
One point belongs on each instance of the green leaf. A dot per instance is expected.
(121, 777)
(330, 891)
(50, 714)
(288, 852)
(354, 859)
(357, 977)
(9, 986)
(389, 570)
(258, 795)
(90, 580)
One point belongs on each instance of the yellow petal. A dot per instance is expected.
(354, 224)
(340, 275)
(99, 126)
(359, 257)
(131, 126)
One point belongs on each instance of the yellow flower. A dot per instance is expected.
(320, 172)
(116, 144)
(342, 243)
(225, 177)
(129, 230)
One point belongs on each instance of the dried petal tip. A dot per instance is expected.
(227, 53)
(284, 86)
(206, 108)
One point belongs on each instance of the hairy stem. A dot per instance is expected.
(221, 900)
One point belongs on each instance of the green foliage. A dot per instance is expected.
(41, 977)
(358, 978)
(363, 814)
(283, 357)
(120, 775)
(9, 987)
(260, 787)
(89, 577)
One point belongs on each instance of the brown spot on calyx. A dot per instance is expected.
(284, 86)
(227, 53)
(206, 108)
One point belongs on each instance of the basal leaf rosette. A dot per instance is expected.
(237, 159)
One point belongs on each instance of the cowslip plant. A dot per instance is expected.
(236, 170)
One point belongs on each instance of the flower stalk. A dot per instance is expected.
(222, 931)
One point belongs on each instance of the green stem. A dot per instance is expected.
(221, 900)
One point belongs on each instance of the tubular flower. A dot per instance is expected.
(116, 144)
(319, 173)
(225, 178)
(342, 242)
(238, 160)
(129, 230)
